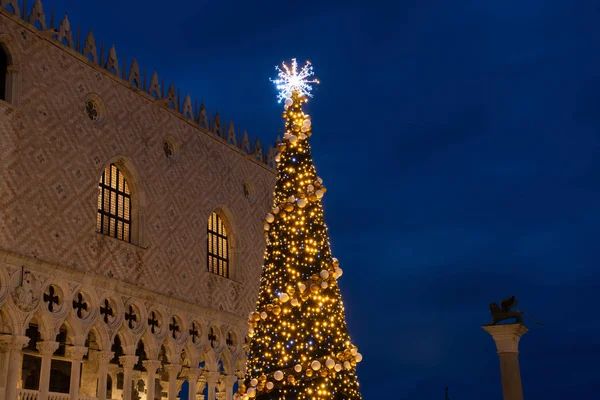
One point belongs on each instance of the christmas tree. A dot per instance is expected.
(300, 346)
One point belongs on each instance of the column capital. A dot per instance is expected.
(127, 362)
(173, 369)
(47, 348)
(104, 356)
(9, 342)
(230, 379)
(194, 373)
(211, 376)
(151, 365)
(506, 336)
(76, 353)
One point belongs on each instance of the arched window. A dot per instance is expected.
(218, 246)
(114, 204)
(3, 74)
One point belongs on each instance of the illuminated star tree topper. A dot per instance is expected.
(290, 80)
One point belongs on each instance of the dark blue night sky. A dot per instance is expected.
(460, 142)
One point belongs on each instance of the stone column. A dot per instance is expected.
(211, 379)
(46, 350)
(127, 362)
(151, 367)
(507, 342)
(103, 358)
(173, 370)
(229, 381)
(192, 379)
(75, 354)
(12, 346)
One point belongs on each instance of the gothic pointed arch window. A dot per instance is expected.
(114, 204)
(218, 246)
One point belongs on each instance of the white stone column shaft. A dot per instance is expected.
(127, 362)
(173, 370)
(507, 339)
(151, 367)
(75, 354)
(13, 346)
(103, 359)
(46, 350)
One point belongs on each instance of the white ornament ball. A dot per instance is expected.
(354, 351)
(286, 136)
(276, 210)
(302, 136)
(263, 315)
(324, 274)
(301, 203)
(251, 315)
(324, 285)
(295, 303)
(320, 181)
(319, 194)
(339, 272)
(270, 385)
(278, 375)
(289, 102)
(291, 199)
(298, 368)
(358, 357)
(288, 95)
(347, 365)
(254, 382)
(307, 123)
(330, 363)
(283, 297)
(310, 188)
(304, 128)
(270, 218)
(301, 286)
(293, 139)
(338, 367)
(315, 365)
(335, 261)
(251, 392)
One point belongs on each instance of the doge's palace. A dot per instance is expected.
(131, 233)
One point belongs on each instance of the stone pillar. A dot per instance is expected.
(46, 350)
(103, 358)
(75, 354)
(173, 370)
(127, 362)
(229, 381)
(211, 379)
(151, 367)
(192, 379)
(507, 342)
(12, 346)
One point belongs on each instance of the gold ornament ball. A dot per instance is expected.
(298, 368)
(324, 285)
(291, 378)
(270, 218)
(316, 365)
(309, 372)
(276, 310)
(270, 385)
(324, 274)
(314, 288)
(256, 316)
(347, 365)
(302, 287)
(329, 363)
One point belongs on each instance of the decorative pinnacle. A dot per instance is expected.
(290, 80)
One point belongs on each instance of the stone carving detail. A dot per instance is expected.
(134, 74)
(245, 143)
(231, 134)
(89, 47)
(64, 32)
(505, 311)
(25, 295)
(112, 61)
(154, 88)
(217, 125)
(37, 14)
(13, 3)
(258, 152)
(187, 110)
(202, 118)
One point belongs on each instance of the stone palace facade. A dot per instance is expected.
(131, 233)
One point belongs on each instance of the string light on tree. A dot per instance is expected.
(300, 348)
